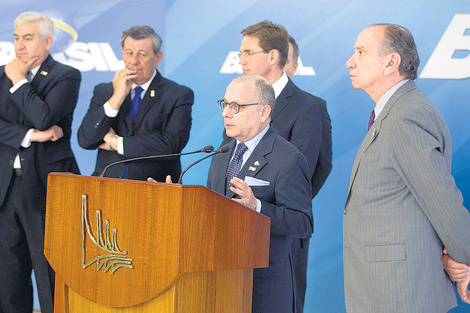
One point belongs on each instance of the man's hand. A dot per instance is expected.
(247, 198)
(462, 289)
(457, 271)
(52, 134)
(109, 143)
(122, 83)
(16, 70)
(167, 180)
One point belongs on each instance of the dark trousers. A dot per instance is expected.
(21, 250)
(300, 260)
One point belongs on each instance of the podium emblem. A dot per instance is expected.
(112, 258)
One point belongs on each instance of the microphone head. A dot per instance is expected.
(224, 149)
(208, 149)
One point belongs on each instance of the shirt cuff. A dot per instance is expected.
(109, 111)
(120, 147)
(27, 139)
(18, 85)
(258, 206)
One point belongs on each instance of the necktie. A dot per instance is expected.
(136, 101)
(235, 165)
(371, 119)
(29, 76)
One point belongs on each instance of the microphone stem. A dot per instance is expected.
(146, 158)
(192, 164)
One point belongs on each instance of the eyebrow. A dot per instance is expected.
(26, 35)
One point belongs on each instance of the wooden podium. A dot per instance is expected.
(133, 246)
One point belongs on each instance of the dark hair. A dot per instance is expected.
(141, 32)
(271, 36)
(398, 39)
(295, 50)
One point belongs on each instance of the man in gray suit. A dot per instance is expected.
(402, 206)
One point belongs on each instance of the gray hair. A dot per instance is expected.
(295, 50)
(141, 32)
(398, 39)
(264, 91)
(45, 25)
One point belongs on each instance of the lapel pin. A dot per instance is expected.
(251, 168)
(44, 73)
(152, 93)
(256, 163)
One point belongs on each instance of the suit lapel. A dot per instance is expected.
(257, 159)
(283, 99)
(375, 129)
(43, 72)
(151, 98)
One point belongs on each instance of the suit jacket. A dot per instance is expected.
(161, 126)
(297, 118)
(48, 100)
(402, 208)
(286, 201)
(324, 163)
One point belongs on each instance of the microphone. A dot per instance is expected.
(206, 149)
(222, 149)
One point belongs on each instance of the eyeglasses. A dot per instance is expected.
(248, 54)
(234, 107)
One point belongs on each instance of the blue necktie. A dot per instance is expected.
(29, 76)
(235, 165)
(136, 101)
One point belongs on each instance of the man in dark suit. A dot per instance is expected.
(139, 114)
(273, 179)
(37, 99)
(296, 116)
(322, 170)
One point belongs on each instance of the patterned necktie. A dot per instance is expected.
(29, 76)
(136, 101)
(235, 165)
(371, 119)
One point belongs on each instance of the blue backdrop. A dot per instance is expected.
(200, 40)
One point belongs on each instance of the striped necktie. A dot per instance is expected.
(235, 165)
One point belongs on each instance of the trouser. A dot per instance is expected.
(21, 250)
(300, 260)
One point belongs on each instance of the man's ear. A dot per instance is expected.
(265, 112)
(48, 42)
(274, 56)
(394, 62)
(158, 57)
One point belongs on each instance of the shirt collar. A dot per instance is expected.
(35, 70)
(280, 84)
(384, 99)
(253, 142)
(145, 85)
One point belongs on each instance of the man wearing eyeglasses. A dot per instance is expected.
(268, 174)
(139, 114)
(296, 115)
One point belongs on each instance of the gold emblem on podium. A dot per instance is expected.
(113, 258)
